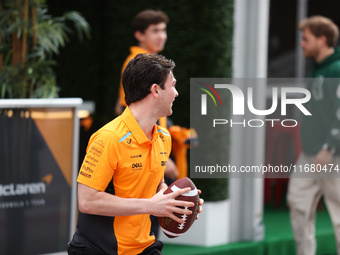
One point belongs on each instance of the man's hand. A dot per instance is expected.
(201, 203)
(165, 205)
(323, 158)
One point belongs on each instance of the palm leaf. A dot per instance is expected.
(35, 73)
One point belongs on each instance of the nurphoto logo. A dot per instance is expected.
(238, 104)
(204, 97)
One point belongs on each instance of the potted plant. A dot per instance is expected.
(28, 39)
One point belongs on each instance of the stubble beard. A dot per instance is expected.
(313, 53)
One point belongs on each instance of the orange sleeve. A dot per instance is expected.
(100, 162)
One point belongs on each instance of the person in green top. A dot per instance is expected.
(320, 136)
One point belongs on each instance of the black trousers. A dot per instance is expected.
(154, 249)
(74, 250)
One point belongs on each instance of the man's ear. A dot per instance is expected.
(155, 90)
(324, 40)
(139, 36)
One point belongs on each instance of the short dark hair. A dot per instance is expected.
(145, 18)
(142, 72)
(319, 25)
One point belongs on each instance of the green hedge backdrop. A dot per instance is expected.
(199, 41)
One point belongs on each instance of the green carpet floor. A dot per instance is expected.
(278, 239)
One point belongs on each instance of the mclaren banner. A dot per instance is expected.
(36, 150)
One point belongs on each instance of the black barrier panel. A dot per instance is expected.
(34, 194)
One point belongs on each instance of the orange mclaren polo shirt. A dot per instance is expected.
(121, 160)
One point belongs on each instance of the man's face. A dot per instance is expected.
(168, 95)
(154, 37)
(310, 44)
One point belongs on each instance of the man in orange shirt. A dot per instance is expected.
(124, 168)
(149, 29)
